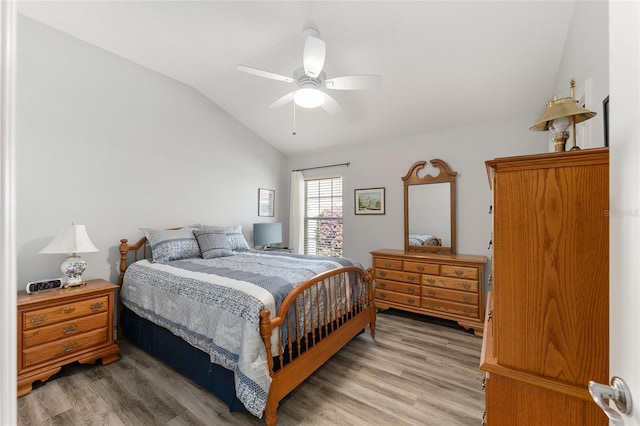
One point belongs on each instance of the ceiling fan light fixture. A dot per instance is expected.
(308, 98)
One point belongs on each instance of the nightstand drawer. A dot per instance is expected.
(411, 289)
(459, 272)
(422, 268)
(405, 299)
(452, 283)
(64, 347)
(61, 330)
(53, 315)
(388, 264)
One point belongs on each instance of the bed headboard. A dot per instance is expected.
(132, 253)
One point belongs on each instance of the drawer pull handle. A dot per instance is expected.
(458, 272)
(411, 301)
(382, 285)
(38, 320)
(97, 306)
(411, 278)
(484, 383)
(70, 347)
(69, 310)
(431, 281)
(387, 265)
(420, 268)
(466, 299)
(431, 292)
(382, 295)
(466, 285)
(431, 305)
(490, 315)
(410, 290)
(70, 329)
(383, 274)
(466, 310)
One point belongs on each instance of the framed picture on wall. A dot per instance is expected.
(369, 201)
(266, 202)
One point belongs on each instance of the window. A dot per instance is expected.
(323, 217)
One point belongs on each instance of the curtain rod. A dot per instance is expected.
(321, 167)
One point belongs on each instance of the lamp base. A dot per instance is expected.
(72, 268)
(559, 141)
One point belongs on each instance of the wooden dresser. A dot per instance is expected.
(547, 325)
(447, 286)
(59, 327)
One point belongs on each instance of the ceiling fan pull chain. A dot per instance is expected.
(294, 118)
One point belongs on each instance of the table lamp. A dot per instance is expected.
(560, 113)
(71, 239)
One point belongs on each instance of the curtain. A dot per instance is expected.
(296, 213)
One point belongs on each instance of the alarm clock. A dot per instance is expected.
(44, 285)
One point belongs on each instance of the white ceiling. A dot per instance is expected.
(443, 64)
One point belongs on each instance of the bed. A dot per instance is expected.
(248, 325)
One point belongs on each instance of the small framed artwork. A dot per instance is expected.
(369, 201)
(266, 202)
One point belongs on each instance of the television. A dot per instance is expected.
(266, 234)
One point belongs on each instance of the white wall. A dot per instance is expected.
(110, 144)
(586, 60)
(384, 163)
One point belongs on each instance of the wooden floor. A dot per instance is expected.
(416, 372)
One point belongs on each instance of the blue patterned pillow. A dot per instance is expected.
(172, 244)
(213, 243)
(234, 235)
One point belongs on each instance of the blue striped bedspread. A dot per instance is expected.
(215, 304)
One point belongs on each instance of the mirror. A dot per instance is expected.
(430, 208)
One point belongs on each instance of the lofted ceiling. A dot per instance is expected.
(444, 64)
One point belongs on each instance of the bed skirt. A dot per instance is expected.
(188, 360)
(181, 356)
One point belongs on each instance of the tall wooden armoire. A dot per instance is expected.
(547, 319)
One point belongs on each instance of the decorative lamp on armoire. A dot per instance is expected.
(561, 113)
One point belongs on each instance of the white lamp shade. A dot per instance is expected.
(71, 239)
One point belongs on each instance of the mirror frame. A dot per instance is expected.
(445, 175)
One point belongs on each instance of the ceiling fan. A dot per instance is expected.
(310, 78)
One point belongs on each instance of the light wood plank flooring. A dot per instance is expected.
(416, 372)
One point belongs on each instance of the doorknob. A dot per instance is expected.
(618, 392)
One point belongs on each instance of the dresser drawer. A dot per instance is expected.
(422, 268)
(398, 276)
(410, 289)
(64, 347)
(459, 272)
(454, 295)
(40, 335)
(452, 283)
(56, 314)
(404, 299)
(450, 307)
(388, 264)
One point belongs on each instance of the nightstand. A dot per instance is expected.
(59, 327)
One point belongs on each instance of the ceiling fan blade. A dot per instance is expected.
(313, 56)
(330, 105)
(283, 100)
(353, 82)
(262, 73)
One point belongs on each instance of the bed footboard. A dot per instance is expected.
(314, 321)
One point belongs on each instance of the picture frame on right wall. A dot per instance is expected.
(369, 201)
(605, 118)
